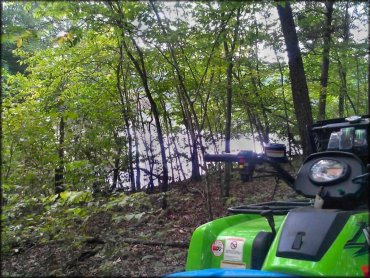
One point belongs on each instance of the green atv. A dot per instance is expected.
(326, 234)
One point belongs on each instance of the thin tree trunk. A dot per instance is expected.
(137, 159)
(325, 59)
(301, 99)
(343, 89)
(130, 149)
(139, 64)
(117, 160)
(358, 77)
(229, 54)
(342, 69)
(168, 135)
(206, 117)
(115, 173)
(141, 69)
(148, 152)
(123, 94)
(262, 133)
(187, 103)
(289, 133)
(9, 162)
(179, 167)
(125, 111)
(135, 128)
(258, 86)
(368, 57)
(130, 156)
(59, 171)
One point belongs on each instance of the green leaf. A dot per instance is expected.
(64, 195)
(147, 257)
(77, 211)
(131, 216)
(78, 197)
(19, 42)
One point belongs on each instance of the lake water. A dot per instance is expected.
(236, 145)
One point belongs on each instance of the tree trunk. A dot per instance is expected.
(125, 111)
(343, 88)
(325, 60)
(289, 133)
(301, 99)
(141, 69)
(150, 155)
(229, 54)
(59, 171)
(368, 57)
(341, 68)
(187, 103)
(137, 159)
(166, 119)
(228, 165)
(257, 84)
(130, 149)
(117, 161)
(179, 167)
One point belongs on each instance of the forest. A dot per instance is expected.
(108, 108)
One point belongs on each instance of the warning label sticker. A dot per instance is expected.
(217, 248)
(234, 249)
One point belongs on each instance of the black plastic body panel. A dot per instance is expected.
(308, 232)
(260, 248)
(320, 134)
(340, 190)
(276, 207)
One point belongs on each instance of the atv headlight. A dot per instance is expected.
(328, 171)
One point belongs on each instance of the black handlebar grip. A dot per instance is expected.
(225, 157)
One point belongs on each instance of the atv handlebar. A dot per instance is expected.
(247, 161)
(226, 157)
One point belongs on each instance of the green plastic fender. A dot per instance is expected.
(244, 226)
(341, 259)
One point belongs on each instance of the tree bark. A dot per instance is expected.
(149, 153)
(368, 57)
(137, 159)
(342, 68)
(301, 99)
(257, 84)
(141, 69)
(229, 54)
(117, 161)
(188, 104)
(59, 171)
(325, 59)
(125, 111)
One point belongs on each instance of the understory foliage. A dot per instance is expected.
(84, 235)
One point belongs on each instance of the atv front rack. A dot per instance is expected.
(276, 207)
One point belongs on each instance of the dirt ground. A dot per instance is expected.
(105, 244)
